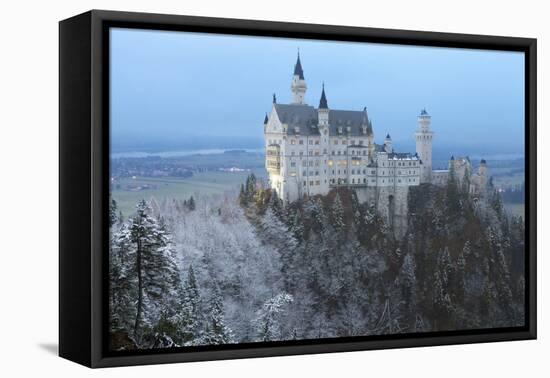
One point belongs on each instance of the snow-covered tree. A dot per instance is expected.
(337, 214)
(191, 323)
(155, 267)
(270, 316)
(217, 332)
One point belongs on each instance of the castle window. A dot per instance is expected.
(353, 181)
(301, 153)
(333, 171)
(301, 141)
(292, 153)
(344, 142)
(293, 141)
(330, 163)
(316, 141)
(335, 141)
(364, 181)
(339, 152)
(364, 171)
(305, 183)
(304, 163)
(317, 182)
(360, 142)
(353, 171)
(324, 151)
(333, 152)
(311, 183)
(293, 164)
(311, 163)
(399, 180)
(310, 153)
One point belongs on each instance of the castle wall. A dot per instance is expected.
(390, 202)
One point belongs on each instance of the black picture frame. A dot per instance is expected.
(84, 186)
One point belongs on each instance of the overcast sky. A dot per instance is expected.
(170, 88)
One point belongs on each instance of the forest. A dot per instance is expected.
(243, 267)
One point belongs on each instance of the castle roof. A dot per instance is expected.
(265, 119)
(402, 156)
(306, 118)
(323, 102)
(298, 68)
(424, 112)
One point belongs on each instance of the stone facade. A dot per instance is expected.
(311, 150)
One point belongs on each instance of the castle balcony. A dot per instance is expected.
(273, 159)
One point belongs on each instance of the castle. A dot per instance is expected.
(311, 150)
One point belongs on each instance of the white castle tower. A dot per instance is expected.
(424, 138)
(298, 85)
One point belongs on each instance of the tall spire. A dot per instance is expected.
(274, 98)
(265, 119)
(298, 71)
(323, 103)
(365, 120)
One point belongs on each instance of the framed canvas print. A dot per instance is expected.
(233, 188)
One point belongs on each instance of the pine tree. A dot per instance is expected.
(460, 284)
(191, 322)
(269, 317)
(191, 204)
(443, 305)
(122, 281)
(296, 226)
(243, 198)
(217, 331)
(155, 268)
(113, 218)
(276, 205)
(337, 214)
(452, 193)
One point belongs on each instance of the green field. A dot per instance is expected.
(203, 183)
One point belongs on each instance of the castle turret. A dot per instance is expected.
(323, 110)
(370, 141)
(388, 144)
(298, 85)
(424, 137)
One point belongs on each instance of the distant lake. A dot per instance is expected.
(141, 154)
